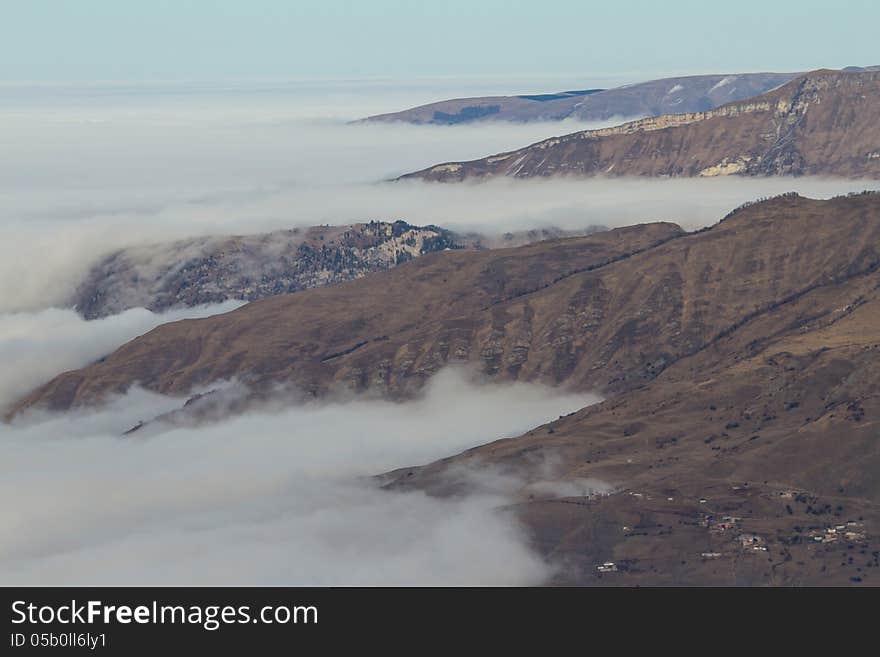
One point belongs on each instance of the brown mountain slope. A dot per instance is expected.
(823, 123)
(805, 370)
(694, 93)
(390, 332)
(771, 431)
(775, 426)
(608, 311)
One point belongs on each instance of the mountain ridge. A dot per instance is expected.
(600, 312)
(821, 123)
(650, 98)
(454, 285)
(214, 269)
(206, 270)
(749, 461)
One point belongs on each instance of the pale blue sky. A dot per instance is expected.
(74, 40)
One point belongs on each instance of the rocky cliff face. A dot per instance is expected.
(652, 98)
(823, 123)
(211, 270)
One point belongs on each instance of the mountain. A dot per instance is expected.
(604, 312)
(389, 331)
(213, 269)
(740, 364)
(753, 459)
(695, 93)
(204, 270)
(822, 123)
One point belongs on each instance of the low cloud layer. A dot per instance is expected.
(266, 498)
(85, 174)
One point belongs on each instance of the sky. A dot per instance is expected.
(115, 40)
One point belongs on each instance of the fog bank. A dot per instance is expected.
(266, 498)
(85, 174)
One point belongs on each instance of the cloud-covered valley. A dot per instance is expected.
(273, 497)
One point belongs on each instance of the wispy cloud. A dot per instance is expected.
(35, 346)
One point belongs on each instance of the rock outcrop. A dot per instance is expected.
(213, 269)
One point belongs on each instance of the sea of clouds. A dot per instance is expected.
(270, 497)
(281, 496)
(89, 170)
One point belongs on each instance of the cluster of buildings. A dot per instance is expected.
(752, 542)
(723, 524)
(846, 532)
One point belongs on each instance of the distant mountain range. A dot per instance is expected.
(740, 366)
(678, 95)
(695, 93)
(821, 123)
